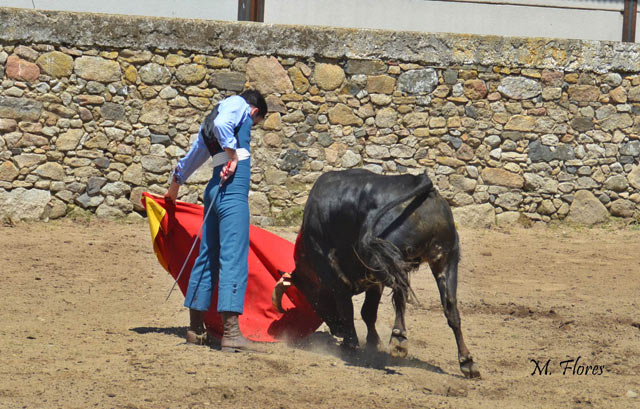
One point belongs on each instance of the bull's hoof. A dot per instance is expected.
(469, 368)
(336, 330)
(349, 347)
(372, 343)
(399, 344)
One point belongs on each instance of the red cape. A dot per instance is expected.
(174, 227)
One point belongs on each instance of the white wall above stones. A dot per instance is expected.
(578, 19)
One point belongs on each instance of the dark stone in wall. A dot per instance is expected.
(102, 163)
(232, 81)
(161, 139)
(304, 139)
(471, 111)
(95, 184)
(582, 124)
(539, 152)
(450, 77)
(513, 135)
(291, 160)
(352, 87)
(564, 152)
(112, 111)
(20, 108)
(325, 139)
(365, 67)
(542, 153)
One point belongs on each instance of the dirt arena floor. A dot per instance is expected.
(84, 324)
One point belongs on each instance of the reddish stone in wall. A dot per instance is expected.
(475, 89)
(19, 69)
(552, 78)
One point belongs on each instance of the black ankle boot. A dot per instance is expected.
(196, 334)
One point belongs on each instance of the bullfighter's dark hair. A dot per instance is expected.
(255, 98)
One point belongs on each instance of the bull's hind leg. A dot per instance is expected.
(446, 274)
(399, 343)
(369, 313)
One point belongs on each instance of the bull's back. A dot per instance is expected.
(341, 203)
(356, 193)
(426, 230)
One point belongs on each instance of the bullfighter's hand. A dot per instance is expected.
(230, 168)
(172, 193)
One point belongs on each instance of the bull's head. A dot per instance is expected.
(321, 299)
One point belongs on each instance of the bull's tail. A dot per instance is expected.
(383, 258)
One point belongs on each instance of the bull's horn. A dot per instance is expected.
(279, 290)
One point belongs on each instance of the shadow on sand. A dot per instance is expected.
(324, 343)
(180, 332)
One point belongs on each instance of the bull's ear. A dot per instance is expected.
(281, 273)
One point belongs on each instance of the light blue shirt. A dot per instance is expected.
(232, 112)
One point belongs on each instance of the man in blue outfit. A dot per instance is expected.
(224, 247)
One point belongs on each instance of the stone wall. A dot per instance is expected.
(95, 109)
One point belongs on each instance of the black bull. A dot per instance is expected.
(361, 232)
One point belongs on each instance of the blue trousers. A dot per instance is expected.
(224, 247)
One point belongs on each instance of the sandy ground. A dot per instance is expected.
(84, 324)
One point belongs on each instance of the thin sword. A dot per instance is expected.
(186, 260)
